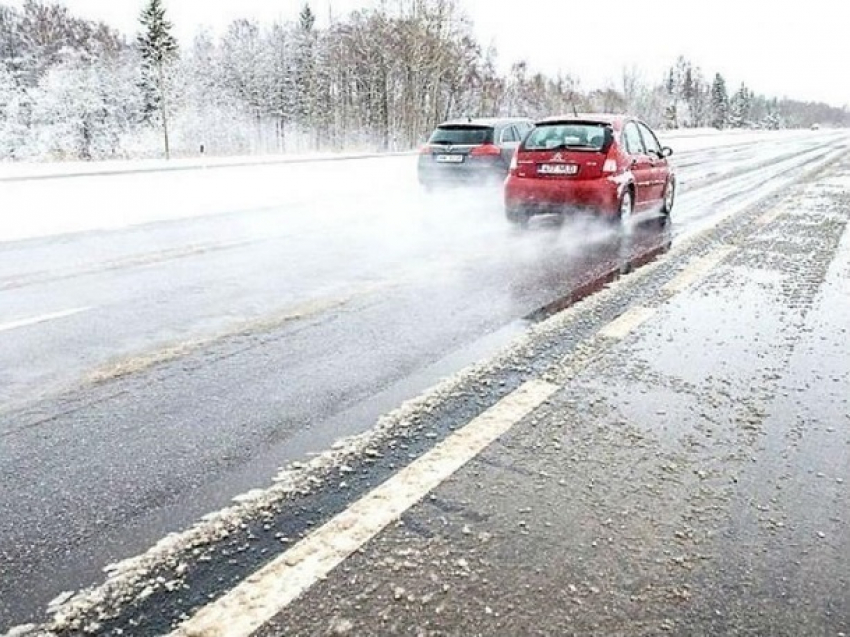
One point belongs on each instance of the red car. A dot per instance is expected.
(611, 165)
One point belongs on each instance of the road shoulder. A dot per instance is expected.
(691, 479)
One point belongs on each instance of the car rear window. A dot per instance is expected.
(462, 135)
(592, 137)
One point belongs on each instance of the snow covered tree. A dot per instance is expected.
(689, 95)
(158, 49)
(41, 34)
(740, 107)
(14, 106)
(304, 51)
(492, 86)
(719, 103)
(679, 86)
(376, 78)
(246, 71)
(281, 87)
(11, 39)
(644, 98)
(773, 117)
(671, 113)
(45, 32)
(699, 99)
(82, 109)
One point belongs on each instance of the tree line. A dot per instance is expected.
(376, 79)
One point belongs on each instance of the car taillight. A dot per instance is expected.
(515, 161)
(425, 150)
(610, 166)
(487, 150)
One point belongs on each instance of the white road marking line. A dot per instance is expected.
(621, 327)
(268, 591)
(42, 319)
(697, 269)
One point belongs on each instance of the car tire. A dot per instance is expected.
(625, 209)
(669, 199)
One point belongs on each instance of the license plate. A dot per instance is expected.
(558, 169)
(449, 159)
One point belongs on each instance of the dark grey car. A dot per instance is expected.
(471, 151)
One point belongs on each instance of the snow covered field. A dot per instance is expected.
(134, 193)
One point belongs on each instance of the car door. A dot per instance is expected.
(660, 166)
(508, 143)
(641, 165)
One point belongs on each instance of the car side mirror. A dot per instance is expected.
(666, 151)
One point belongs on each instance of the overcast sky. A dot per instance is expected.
(780, 47)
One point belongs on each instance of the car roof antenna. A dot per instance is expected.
(575, 110)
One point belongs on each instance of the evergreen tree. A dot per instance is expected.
(671, 116)
(690, 96)
(672, 83)
(307, 19)
(719, 103)
(688, 85)
(740, 108)
(699, 101)
(773, 119)
(158, 49)
(305, 71)
(671, 113)
(281, 81)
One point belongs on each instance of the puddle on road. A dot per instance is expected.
(601, 266)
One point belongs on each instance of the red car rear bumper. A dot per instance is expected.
(540, 196)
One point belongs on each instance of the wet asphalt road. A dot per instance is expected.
(270, 340)
(687, 478)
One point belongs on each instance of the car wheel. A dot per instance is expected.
(627, 206)
(669, 199)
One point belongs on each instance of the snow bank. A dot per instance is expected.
(10, 171)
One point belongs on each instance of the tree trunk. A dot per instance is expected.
(164, 107)
(385, 111)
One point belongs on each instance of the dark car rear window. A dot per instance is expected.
(592, 137)
(462, 135)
